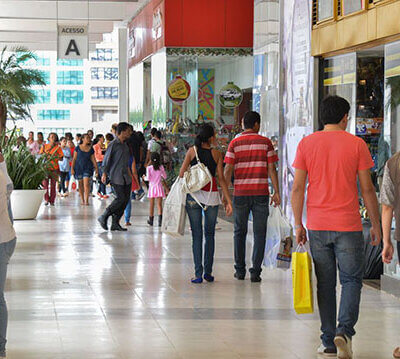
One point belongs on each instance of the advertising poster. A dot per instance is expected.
(297, 88)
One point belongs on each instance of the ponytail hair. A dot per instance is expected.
(206, 132)
(156, 160)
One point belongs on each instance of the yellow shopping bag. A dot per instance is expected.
(302, 281)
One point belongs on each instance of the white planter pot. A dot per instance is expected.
(25, 203)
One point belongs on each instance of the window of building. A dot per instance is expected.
(69, 62)
(42, 61)
(325, 9)
(46, 77)
(70, 96)
(104, 55)
(104, 92)
(98, 115)
(49, 115)
(104, 73)
(60, 131)
(69, 77)
(42, 96)
(351, 6)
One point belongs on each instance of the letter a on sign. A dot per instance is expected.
(73, 42)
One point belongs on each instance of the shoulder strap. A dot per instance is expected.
(197, 156)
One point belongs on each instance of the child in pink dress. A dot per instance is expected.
(156, 176)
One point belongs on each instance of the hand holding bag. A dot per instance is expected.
(174, 218)
(303, 300)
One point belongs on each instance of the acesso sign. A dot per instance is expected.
(73, 42)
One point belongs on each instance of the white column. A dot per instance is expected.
(123, 74)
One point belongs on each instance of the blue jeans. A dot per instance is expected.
(195, 213)
(128, 209)
(345, 251)
(259, 207)
(6, 251)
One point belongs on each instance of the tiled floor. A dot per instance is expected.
(75, 291)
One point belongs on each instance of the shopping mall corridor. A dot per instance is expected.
(75, 291)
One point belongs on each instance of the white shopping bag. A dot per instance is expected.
(174, 213)
(278, 249)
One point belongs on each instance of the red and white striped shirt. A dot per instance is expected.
(250, 153)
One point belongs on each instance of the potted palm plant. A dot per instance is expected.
(27, 173)
(16, 82)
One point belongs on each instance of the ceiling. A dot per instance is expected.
(33, 23)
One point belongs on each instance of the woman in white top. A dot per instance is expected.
(7, 247)
(10, 186)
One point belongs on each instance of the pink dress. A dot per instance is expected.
(156, 189)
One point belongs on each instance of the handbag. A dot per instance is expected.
(197, 177)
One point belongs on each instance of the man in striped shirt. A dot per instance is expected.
(252, 159)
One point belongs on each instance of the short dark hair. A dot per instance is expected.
(62, 138)
(78, 135)
(333, 109)
(153, 131)
(122, 126)
(109, 137)
(159, 135)
(114, 126)
(40, 133)
(89, 131)
(250, 119)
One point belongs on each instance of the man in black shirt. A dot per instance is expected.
(116, 167)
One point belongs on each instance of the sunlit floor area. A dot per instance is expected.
(75, 291)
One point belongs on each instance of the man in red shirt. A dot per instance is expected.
(252, 158)
(332, 160)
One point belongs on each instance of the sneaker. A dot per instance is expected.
(343, 345)
(127, 224)
(139, 196)
(255, 278)
(327, 352)
(209, 278)
(106, 196)
(46, 203)
(197, 280)
(239, 276)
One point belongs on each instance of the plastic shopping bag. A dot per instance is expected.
(174, 213)
(302, 281)
(278, 248)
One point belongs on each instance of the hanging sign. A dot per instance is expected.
(230, 96)
(157, 24)
(179, 90)
(72, 42)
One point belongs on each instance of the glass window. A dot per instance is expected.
(350, 6)
(43, 61)
(70, 96)
(104, 55)
(46, 77)
(69, 77)
(58, 115)
(325, 9)
(69, 62)
(42, 96)
(104, 92)
(104, 73)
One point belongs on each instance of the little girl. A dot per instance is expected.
(156, 176)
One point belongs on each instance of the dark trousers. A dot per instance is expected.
(117, 207)
(63, 177)
(259, 207)
(102, 187)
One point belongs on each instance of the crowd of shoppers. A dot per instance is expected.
(334, 163)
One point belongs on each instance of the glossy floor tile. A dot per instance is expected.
(75, 291)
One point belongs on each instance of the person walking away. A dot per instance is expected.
(156, 176)
(55, 153)
(7, 246)
(390, 200)
(138, 152)
(82, 167)
(252, 158)
(212, 159)
(116, 167)
(32, 145)
(332, 160)
(9, 182)
(64, 167)
(153, 134)
(99, 152)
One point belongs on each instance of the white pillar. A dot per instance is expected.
(123, 74)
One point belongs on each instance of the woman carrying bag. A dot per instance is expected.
(206, 200)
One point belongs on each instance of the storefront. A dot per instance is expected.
(357, 44)
(191, 62)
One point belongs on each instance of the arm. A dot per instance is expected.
(134, 171)
(371, 202)
(276, 198)
(224, 186)
(298, 190)
(73, 163)
(106, 162)
(186, 163)
(228, 173)
(387, 215)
